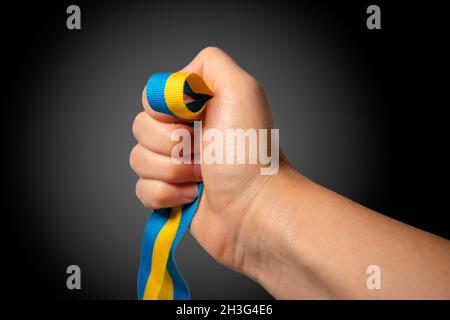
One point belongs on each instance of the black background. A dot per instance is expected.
(407, 65)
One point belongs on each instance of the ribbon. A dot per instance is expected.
(159, 277)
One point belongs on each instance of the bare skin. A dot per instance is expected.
(294, 237)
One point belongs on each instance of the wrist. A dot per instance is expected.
(266, 237)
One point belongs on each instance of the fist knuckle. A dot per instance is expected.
(210, 51)
(254, 84)
(141, 194)
(137, 124)
(138, 189)
(131, 159)
(134, 157)
(147, 195)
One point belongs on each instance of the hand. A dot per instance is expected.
(229, 209)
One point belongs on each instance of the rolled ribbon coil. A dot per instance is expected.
(159, 277)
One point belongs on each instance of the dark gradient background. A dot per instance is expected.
(359, 111)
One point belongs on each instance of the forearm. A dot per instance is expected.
(318, 244)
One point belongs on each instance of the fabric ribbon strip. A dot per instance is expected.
(159, 277)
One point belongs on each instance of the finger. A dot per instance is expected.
(157, 194)
(157, 136)
(162, 117)
(150, 165)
